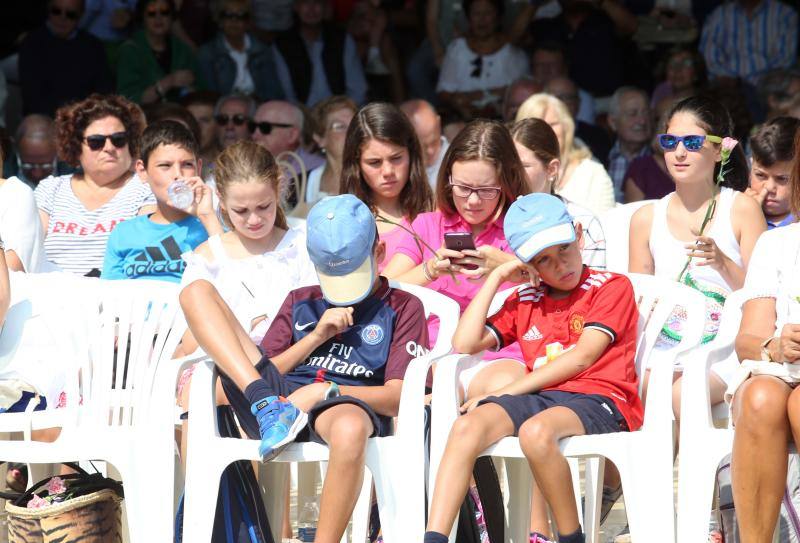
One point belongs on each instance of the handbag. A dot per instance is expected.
(91, 514)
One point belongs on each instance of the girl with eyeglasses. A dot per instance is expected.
(480, 177)
(664, 235)
(155, 65)
(331, 119)
(382, 165)
(78, 211)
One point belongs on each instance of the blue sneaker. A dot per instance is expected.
(279, 422)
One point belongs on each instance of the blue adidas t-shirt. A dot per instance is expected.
(139, 248)
(389, 331)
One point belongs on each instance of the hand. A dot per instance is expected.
(786, 348)
(706, 248)
(334, 321)
(472, 403)
(182, 78)
(515, 271)
(474, 264)
(203, 204)
(304, 398)
(758, 196)
(444, 263)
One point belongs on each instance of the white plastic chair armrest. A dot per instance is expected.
(410, 417)
(695, 394)
(201, 401)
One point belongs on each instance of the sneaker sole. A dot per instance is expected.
(299, 423)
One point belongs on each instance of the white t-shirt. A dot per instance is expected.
(313, 194)
(76, 238)
(20, 226)
(255, 286)
(499, 69)
(589, 186)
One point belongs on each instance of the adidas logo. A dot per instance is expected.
(533, 334)
(165, 258)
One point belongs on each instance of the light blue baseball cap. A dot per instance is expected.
(340, 235)
(535, 222)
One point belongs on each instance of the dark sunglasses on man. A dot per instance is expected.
(266, 127)
(70, 14)
(224, 120)
(95, 142)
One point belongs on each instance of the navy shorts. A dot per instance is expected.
(381, 425)
(598, 414)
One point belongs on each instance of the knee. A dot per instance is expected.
(466, 430)
(762, 403)
(537, 439)
(194, 291)
(348, 436)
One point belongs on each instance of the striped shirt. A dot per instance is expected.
(737, 45)
(76, 238)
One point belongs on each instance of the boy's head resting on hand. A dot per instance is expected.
(168, 152)
(342, 241)
(541, 233)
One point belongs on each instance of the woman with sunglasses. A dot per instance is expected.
(155, 65)
(331, 118)
(480, 177)
(665, 237)
(79, 211)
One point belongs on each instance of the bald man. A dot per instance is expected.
(516, 93)
(278, 127)
(37, 155)
(428, 126)
(598, 140)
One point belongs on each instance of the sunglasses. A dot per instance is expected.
(484, 193)
(477, 67)
(224, 120)
(669, 142)
(266, 127)
(235, 16)
(70, 14)
(95, 142)
(153, 13)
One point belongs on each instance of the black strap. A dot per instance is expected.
(81, 484)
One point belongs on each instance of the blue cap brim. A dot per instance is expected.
(351, 288)
(555, 235)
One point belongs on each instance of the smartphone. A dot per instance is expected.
(458, 241)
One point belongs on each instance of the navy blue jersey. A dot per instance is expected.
(389, 330)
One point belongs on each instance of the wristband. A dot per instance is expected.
(332, 392)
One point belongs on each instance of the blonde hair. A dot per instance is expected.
(246, 161)
(537, 106)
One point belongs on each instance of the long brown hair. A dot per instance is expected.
(487, 141)
(385, 122)
(245, 162)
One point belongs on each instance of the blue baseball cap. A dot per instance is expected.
(340, 235)
(535, 222)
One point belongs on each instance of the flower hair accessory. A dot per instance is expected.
(726, 148)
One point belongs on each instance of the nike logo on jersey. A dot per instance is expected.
(533, 334)
(300, 327)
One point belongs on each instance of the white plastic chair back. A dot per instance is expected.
(616, 223)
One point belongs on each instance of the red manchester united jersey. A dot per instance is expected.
(546, 327)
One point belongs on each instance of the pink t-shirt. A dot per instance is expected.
(431, 227)
(392, 239)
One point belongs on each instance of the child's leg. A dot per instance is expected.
(495, 376)
(540, 523)
(345, 428)
(539, 437)
(470, 435)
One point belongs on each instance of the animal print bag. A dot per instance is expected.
(78, 507)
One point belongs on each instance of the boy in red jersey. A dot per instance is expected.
(577, 330)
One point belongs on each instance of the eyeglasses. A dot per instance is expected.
(265, 127)
(153, 13)
(484, 193)
(95, 142)
(693, 143)
(477, 66)
(337, 126)
(235, 16)
(70, 14)
(681, 63)
(237, 120)
(30, 166)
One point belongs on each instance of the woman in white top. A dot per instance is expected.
(664, 235)
(332, 117)
(581, 179)
(478, 67)
(79, 211)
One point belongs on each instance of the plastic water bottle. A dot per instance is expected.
(307, 521)
(180, 194)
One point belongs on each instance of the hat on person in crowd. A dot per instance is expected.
(340, 238)
(535, 222)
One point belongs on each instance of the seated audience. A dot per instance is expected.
(478, 67)
(773, 151)
(428, 125)
(315, 59)
(595, 137)
(150, 247)
(548, 62)
(233, 114)
(777, 88)
(109, 22)
(201, 106)
(332, 117)
(78, 211)
(155, 65)
(278, 127)
(37, 155)
(582, 180)
(382, 165)
(684, 76)
(589, 387)
(271, 17)
(235, 61)
(481, 176)
(169, 111)
(516, 93)
(630, 118)
(647, 177)
(59, 63)
(277, 396)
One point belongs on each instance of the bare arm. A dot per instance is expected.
(749, 220)
(758, 324)
(45, 218)
(13, 262)
(640, 260)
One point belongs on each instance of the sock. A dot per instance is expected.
(574, 537)
(257, 391)
(434, 537)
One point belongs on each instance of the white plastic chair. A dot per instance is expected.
(643, 457)
(703, 446)
(397, 463)
(616, 223)
(133, 327)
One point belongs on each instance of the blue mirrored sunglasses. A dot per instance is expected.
(693, 143)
